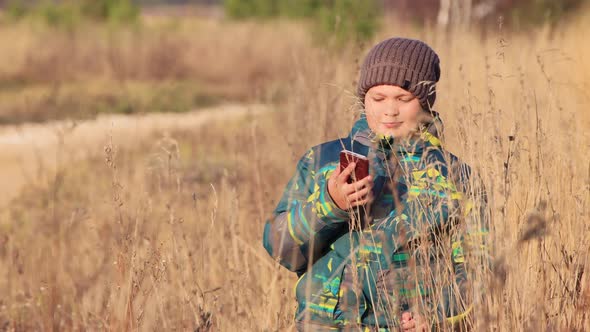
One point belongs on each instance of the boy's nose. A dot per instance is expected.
(392, 111)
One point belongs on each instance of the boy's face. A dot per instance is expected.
(393, 111)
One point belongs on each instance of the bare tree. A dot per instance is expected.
(455, 12)
(484, 9)
(444, 13)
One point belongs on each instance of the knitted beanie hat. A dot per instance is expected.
(408, 63)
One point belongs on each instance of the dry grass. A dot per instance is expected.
(158, 65)
(168, 235)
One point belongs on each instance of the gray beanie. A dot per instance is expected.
(408, 63)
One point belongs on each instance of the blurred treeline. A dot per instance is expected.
(361, 18)
(516, 12)
(344, 19)
(61, 59)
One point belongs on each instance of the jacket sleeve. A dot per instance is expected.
(470, 252)
(306, 219)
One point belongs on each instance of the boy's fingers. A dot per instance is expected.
(367, 199)
(406, 315)
(409, 325)
(359, 194)
(336, 175)
(362, 202)
(337, 171)
(358, 185)
(343, 176)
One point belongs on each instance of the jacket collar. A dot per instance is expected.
(429, 135)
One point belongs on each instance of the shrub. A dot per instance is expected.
(110, 10)
(57, 14)
(349, 19)
(16, 10)
(340, 19)
(69, 12)
(250, 8)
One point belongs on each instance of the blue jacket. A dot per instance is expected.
(426, 221)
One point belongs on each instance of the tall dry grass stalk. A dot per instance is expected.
(168, 235)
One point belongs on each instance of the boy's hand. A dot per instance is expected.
(414, 323)
(348, 195)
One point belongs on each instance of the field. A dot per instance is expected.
(165, 233)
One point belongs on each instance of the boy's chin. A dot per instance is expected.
(389, 134)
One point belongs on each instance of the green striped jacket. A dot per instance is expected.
(416, 247)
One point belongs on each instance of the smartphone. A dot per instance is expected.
(361, 170)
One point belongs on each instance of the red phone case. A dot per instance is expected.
(361, 169)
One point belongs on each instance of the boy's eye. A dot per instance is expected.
(378, 99)
(405, 99)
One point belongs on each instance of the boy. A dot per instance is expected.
(405, 267)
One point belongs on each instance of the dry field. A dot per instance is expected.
(158, 65)
(165, 234)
